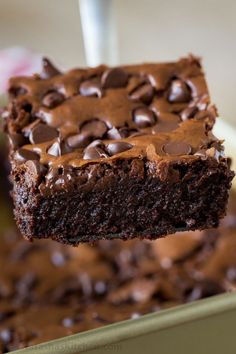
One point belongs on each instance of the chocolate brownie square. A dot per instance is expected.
(105, 153)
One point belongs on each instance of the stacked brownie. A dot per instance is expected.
(48, 290)
(109, 153)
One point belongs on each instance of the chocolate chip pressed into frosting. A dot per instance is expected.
(179, 92)
(143, 93)
(114, 78)
(118, 147)
(94, 128)
(49, 70)
(52, 99)
(55, 149)
(91, 88)
(78, 140)
(177, 148)
(42, 133)
(144, 117)
(95, 150)
(25, 155)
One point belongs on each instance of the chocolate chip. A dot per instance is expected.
(42, 133)
(65, 149)
(55, 149)
(91, 88)
(49, 70)
(53, 99)
(188, 112)
(95, 151)
(143, 93)
(78, 141)
(114, 78)
(118, 147)
(28, 128)
(90, 130)
(94, 128)
(22, 155)
(97, 143)
(144, 117)
(114, 133)
(179, 92)
(17, 91)
(165, 126)
(16, 140)
(119, 133)
(177, 148)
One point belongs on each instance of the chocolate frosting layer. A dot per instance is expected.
(98, 115)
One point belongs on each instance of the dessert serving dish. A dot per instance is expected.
(205, 326)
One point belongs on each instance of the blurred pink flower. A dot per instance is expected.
(17, 61)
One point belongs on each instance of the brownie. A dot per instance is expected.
(49, 290)
(106, 153)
